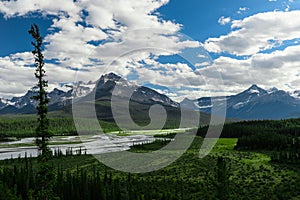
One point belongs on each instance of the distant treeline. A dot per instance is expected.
(246, 128)
(25, 126)
(284, 146)
(282, 137)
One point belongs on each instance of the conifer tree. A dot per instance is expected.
(222, 178)
(46, 174)
(41, 97)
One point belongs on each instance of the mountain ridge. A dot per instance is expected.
(104, 86)
(252, 103)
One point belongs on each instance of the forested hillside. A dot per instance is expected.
(280, 138)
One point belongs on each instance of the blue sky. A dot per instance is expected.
(200, 18)
(14, 37)
(194, 48)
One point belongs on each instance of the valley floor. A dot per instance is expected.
(224, 174)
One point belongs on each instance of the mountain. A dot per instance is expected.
(139, 99)
(81, 89)
(3, 103)
(9, 109)
(253, 103)
(24, 104)
(103, 90)
(141, 94)
(58, 100)
(295, 94)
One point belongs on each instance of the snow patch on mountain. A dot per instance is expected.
(252, 91)
(204, 107)
(272, 90)
(295, 94)
(253, 103)
(241, 104)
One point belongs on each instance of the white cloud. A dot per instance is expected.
(53, 7)
(242, 10)
(94, 33)
(15, 77)
(277, 69)
(256, 33)
(17, 74)
(112, 28)
(224, 20)
(202, 64)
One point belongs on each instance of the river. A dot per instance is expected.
(95, 144)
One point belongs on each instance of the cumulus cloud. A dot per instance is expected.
(24, 7)
(277, 69)
(89, 35)
(17, 74)
(127, 37)
(14, 74)
(256, 33)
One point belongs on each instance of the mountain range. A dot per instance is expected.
(253, 103)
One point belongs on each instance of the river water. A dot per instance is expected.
(96, 144)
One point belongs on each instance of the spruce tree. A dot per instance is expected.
(46, 174)
(222, 178)
(41, 97)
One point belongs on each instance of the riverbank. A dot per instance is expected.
(90, 144)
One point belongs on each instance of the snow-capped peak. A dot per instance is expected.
(295, 94)
(110, 77)
(272, 90)
(118, 80)
(82, 89)
(254, 89)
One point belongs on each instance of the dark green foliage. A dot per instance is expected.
(222, 179)
(221, 175)
(224, 174)
(245, 128)
(151, 146)
(45, 174)
(281, 137)
(168, 135)
(268, 141)
(41, 97)
(8, 193)
(25, 126)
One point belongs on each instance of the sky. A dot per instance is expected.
(180, 48)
